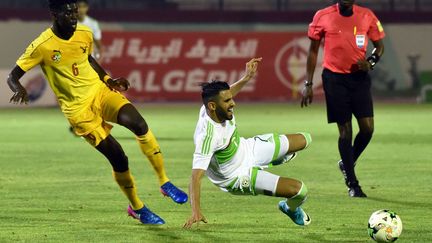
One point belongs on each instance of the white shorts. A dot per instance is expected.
(259, 152)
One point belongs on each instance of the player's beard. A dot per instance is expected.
(222, 115)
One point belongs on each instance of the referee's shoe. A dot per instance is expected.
(353, 190)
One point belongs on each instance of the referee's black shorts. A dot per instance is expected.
(347, 94)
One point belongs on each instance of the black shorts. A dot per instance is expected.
(347, 94)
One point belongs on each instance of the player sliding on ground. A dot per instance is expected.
(89, 98)
(235, 164)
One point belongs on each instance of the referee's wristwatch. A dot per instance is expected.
(308, 83)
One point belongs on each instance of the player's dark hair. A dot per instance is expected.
(58, 4)
(212, 89)
(83, 1)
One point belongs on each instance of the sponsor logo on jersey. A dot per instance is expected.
(84, 48)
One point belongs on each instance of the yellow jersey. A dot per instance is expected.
(66, 67)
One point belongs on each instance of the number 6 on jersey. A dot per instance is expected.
(75, 70)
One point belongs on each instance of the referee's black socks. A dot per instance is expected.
(346, 153)
(360, 143)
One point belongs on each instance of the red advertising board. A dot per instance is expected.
(169, 66)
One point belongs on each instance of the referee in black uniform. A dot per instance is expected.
(346, 29)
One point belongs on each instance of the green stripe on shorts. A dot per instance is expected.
(253, 179)
(277, 146)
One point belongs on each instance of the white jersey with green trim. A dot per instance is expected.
(218, 149)
(94, 26)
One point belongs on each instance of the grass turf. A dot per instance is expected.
(54, 187)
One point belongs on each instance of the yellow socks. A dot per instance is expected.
(126, 182)
(150, 147)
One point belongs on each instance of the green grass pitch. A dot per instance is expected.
(56, 188)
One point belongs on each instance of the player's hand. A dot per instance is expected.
(364, 65)
(20, 96)
(251, 68)
(195, 218)
(119, 84)
(307, 95)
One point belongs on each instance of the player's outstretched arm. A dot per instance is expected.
(194, 194)
(119, 84)
(307, 93)
(251, 69)
(20, 94)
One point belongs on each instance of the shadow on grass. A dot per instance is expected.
(400, 202)
(203, 233)
(320, 238)
(167, 234)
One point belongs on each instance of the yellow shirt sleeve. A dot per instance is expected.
(31, 57)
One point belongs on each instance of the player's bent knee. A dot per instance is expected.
(367, 132)
(308, 138)
(141, 128)
(298, 199)
(130, 118)
(301, 194)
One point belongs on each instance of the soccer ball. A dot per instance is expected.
(384, 226)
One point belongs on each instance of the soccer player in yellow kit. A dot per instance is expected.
(89, 98)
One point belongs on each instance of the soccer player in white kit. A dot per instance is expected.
(83, 18)
(236, 164)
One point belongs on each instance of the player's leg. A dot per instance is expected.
(273, 149)
(129, 117)
(363, 111)
(116, 108)
(337, 90)
(295, 193)
(362, 108)
(293, 190)
(346, 152)
(112, 150)
(293, 143)
(363, 137)
(346, 165)
(298, 141)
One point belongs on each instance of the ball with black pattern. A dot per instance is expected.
(384, 226)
